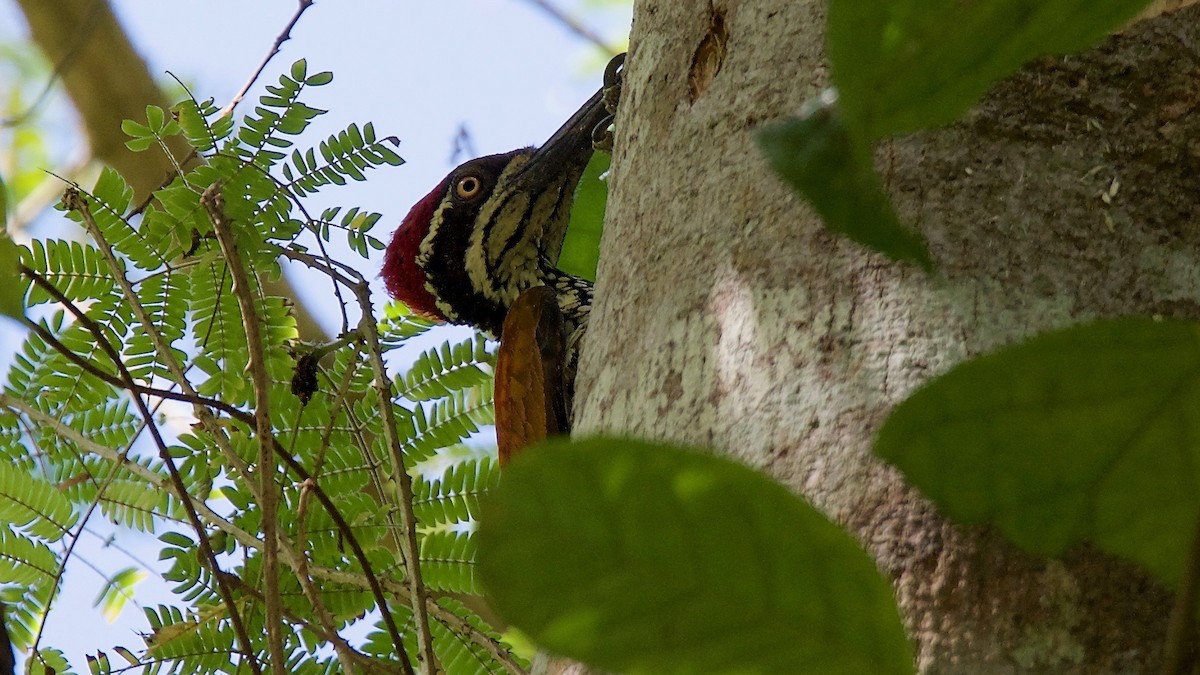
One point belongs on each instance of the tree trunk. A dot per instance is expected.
(740, 324)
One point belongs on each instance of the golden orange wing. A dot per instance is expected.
(531, 397)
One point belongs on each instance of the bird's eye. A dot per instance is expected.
(467, 187)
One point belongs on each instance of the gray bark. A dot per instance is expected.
(727, 317)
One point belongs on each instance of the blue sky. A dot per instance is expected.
(419, 70)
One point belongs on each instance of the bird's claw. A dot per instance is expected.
(614, 77)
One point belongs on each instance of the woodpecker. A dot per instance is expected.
(494, 227)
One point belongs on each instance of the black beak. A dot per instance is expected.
(570, 148)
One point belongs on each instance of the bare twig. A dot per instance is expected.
(279, 40)
(570, 23)
(243, 290)
(326, 267)
(463, 147)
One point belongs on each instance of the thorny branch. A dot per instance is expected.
(283, 37)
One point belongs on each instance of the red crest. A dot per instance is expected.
(404, 278)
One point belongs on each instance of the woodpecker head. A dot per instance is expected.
(485, 233)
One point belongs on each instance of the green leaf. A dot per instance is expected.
(817, 156)
(299, 68)
(904, 65)
(581, 248)
(155, 116)
(322, 78)
(129, 656)
(34, 504)
(139, 144)
(117, 591)
(645, 558)
(1085, 433)
(135, 129)
(25, 561)
(98, 664)
(11, 293)
(48, 660)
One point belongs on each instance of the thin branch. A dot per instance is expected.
(371, 664)
(463, 627)
(120, 459)
(359, 434)
(286, 189)
(279, 40)
(243, 291)
(244, 538)
(572, 24)
(339, 403)
(310, 591)
(317, 264)
(403, 481)
(399, 589)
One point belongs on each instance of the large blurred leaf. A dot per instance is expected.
(903, 65)
(645, 558)
(816, 156)
(1087, 433)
